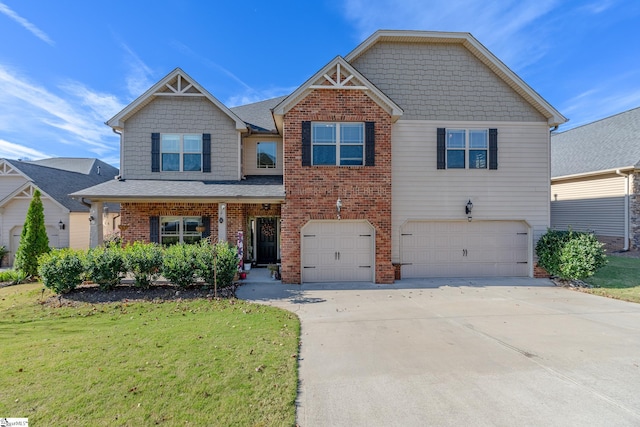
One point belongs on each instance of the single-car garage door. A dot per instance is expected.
(337, 251)
(464, 249)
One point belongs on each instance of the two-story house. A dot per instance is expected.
(419, 153)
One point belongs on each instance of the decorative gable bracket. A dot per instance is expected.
(179, 86)
(338, 80)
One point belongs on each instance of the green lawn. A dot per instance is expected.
(197, 362)
(620, 279)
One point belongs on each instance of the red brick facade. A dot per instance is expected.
(312, 191)
(135, 216)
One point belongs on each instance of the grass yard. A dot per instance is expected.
(620, 279)
(190, 362)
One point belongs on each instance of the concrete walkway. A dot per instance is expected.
(459, 352)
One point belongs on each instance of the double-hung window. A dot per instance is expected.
(181, 152)
(266, 155)
(337, 144)
(467, 148)
(179, 229)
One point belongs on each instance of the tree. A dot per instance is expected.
(33, 240)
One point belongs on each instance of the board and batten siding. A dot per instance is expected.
(181, 115)
(249, 154)
(589, 204)
(517, 190)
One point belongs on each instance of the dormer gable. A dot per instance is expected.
(176, 84)
(336, 75)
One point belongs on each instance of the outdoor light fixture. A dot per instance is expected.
(338, 206)
(266, 206)
(468, 207)
(61, 225)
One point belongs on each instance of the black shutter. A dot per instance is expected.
(370, 143)
(154, 229)
(155, 152)
(206, 152)
(442, 149)
(493, 148)
(306, 143)
(206, 223)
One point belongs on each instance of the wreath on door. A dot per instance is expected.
(268, 230)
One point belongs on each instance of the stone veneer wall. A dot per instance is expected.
(312, 191)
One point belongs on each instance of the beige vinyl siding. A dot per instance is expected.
(249, 164)
(181, 115)
(518, 190)
(589, 204)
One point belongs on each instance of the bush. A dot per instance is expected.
(569, 254)
(61, 269)
(3, 252)
(179, 265)
(218, 263)
(105, 266)
(33, 240)
(144, 261)
(14, 277)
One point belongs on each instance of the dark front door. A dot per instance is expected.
(267, 246)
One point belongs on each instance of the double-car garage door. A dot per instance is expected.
(464, 249)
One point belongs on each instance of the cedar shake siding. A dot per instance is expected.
(180, 115)
(312, 191)
(441, 81)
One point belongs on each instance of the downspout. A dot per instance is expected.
(626, 209)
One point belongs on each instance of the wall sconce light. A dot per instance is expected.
(468, 208)
(61, 225)
(221, 220)
(338, 206)
(266, 206)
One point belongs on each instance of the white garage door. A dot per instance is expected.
(337, 251)
(464, 249)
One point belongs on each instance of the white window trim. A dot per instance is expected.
(467, 148)
(338, 143)
(275, 160)
(181, 232)
(181, 152)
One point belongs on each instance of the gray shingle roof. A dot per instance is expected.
(254, 187)
(58, 183)
(610, 143)
(258, 115)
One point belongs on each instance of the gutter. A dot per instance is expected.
(626, 209)
(586, 174)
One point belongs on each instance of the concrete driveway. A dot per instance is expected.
(462, 352)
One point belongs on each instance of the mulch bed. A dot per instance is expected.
(91, 294)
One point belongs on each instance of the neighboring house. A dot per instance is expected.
(595, 180)
(66, 219)
(363, 173)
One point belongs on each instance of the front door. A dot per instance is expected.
(267, 244)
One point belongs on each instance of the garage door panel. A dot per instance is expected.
(464, 249)
(344, 252)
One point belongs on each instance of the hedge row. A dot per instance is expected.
(62, 270)
(570, 254)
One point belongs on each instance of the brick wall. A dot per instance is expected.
(312, 191)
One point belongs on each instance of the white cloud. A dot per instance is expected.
(42, 113)
(140, 77)
(26, 24)
(9, 150)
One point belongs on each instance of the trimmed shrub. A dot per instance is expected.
(105, 266)
(179, 265)
(217, 263)
(569, 254)
(61, 270)
(144, 261)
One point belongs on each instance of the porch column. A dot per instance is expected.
(95, 228)
(222, 222)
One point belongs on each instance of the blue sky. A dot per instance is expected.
(67, 66)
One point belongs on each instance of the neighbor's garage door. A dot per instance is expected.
(337, 251)
(464, 249)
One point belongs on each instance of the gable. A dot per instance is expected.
(176, 84)
(447, 76)
(337, 75)
(25, 192)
